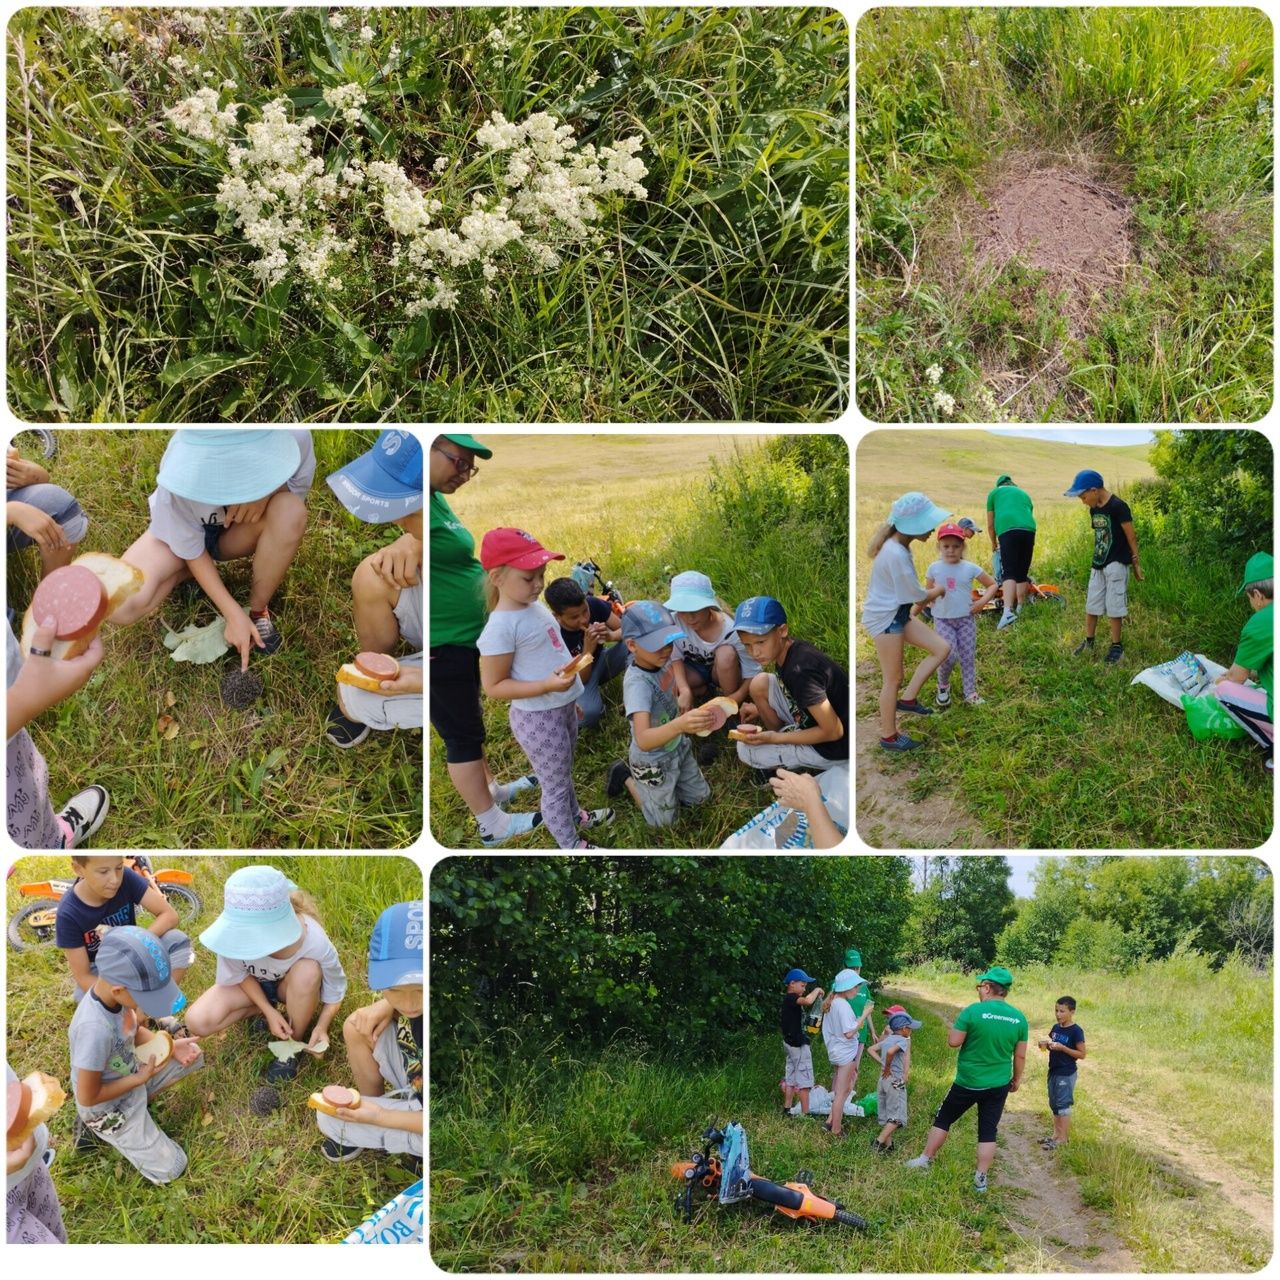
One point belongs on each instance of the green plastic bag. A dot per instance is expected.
(1206, 718)
(869, 1104)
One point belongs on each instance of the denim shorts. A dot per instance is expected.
(1062, 1092)
(899, 623)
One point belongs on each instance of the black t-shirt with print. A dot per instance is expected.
(1109, 543)
(600, 612)
(409, 1041)
(810, 678)
(792, 1018)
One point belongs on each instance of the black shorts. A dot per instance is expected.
(454, 688)
(1016, 546)
(990, 1104)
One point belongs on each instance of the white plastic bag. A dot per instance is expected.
(820, 1101)
(1188, 673)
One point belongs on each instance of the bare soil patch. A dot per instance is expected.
(1064, 222)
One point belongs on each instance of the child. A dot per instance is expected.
(798, 1073)
(893, 1053)
(110, 1088)
(270, 947)
(1251, 708)
(32, 1212)
(1065, 1047)
(384, 1047)
(710, 657)
(521, 661)
(953, 612)
(36, 682)
(103, 897)
(586, 624)
(840, 1028)
(221, 495)
(40, 514)
(1115, 548)
(383, 486)
(804, 708)
(860, 1003)
(886, 613)
(663, 773)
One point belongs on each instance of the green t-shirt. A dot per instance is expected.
(457, 580)
(992, 1031)
(1256, 650)
(1012, 507)
(857, 1004)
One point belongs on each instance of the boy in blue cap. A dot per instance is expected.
(803, 709)
(1252, 707)
(663, 773)
(384, 486)
(1115, 548)
(222, 495)
(111, 1088)
(384, 1047)
(797, 1075)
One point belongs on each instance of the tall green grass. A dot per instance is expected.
(1172, 107)
(724, 296)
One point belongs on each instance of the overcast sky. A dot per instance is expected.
(1021, 866)
(1080, 435)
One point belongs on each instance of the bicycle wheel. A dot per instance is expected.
(186, 902)
(851, 1219)
(22, 936)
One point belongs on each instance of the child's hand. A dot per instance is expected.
(19, 473)
(694, 720)
(397, 564)
(144, 1073)
(684, 701)
(366, 1113)
(20, 1155)
(53, 679)
(747, 714)
(368, 1024)
(41, 527)
(797, 790)
(558, 682)
(186, 1050)
(408, 681)
(240, 633)
(279, 1026)
(247, 512)
(764, 738)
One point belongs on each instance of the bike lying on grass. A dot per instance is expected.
(727, 1173)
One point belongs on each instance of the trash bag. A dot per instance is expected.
(870, 1104)
(1206, 718)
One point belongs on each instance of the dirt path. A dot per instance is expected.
(887, 815)
(1059, 1230)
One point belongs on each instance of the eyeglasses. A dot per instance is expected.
(460, 465)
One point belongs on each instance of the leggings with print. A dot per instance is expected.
(547, 738)
(963, 634)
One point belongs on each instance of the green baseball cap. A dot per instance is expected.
(470, 442)
(1003, 479)
(853, 958)
(1260, 566)
(997, 973)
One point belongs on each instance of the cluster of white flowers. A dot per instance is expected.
(993, 412)
(202, 117)
(934, 374)
(337, 21)
(367, 34)
(945, 403)
(347, 99)
(102, 22)
(1082, 66)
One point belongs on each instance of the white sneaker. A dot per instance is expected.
(920, 1162)
(980, 1182)
(975, 700)
(1006, 620)
(943, 698)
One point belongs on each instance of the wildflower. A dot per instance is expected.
(337, 21)
(944, 402)
(201, 117)
(934, 374)
(973, 62)
(1264, 107)
(367, 34)
(347, 100)
(440, 165)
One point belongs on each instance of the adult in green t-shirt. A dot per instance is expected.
(992, 1038)
(1254, 709)
(1011, 525)
(457, 618)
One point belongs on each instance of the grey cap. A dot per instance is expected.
(137, 960)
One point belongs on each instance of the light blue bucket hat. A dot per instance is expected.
(914, 513)
(690, 592)
(257, 917)
(224, 467)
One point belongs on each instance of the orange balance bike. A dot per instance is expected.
(722, 1169)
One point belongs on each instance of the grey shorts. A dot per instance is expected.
(54, 501)
(782, 753)
(664, 785)
(891, 1102)
(798, 1072)
(383, 710)
(1062, 1092)
(1108, 591)
(398, 1097)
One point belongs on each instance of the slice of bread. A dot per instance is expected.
(46, 1097)
(159, 1048)
(333, 1096)
(119, 579)
(350, 674)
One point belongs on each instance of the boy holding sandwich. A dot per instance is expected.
(111, 1087)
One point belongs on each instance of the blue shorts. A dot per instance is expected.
(1062, 1092)
(899, 623)
(703, 671)
(212, 532)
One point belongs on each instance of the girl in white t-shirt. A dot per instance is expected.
(954, 613)
(840, 1028)
(522, 661)
(886, 612)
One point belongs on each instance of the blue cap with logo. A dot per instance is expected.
(650, 625)
(137, 960)
(396, 947)
(758, 615)
(383, 483)
(1084, 480)
(798, 975)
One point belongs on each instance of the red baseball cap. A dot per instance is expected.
(951, 531)
(516, 548)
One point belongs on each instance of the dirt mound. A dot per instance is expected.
(1063, 222)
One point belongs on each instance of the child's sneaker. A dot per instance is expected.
(265, 628)
(1115, 653)
(881, 1148)
(176, 1028)
(980, 1183)
(617, 779)
(975, 699)
(521, 825)
(594, 818)
(900, 743)
(342, 732)
(761, 776)
(336, 1153)
(915, 706)
(83, 1135)
(285, 1070)
(1085, 646)
(942, 700)
(84, 813)
(1007, 619)
(920, 1162)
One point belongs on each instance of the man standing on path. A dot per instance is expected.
(992, 1038)
(1011, 524)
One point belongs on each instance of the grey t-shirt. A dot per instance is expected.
(654, 692)
(532, 636)
(28, 813)
(180, 522)
(898, 1064)
(99, 1041)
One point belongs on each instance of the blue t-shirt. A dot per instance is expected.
(77, 920)
(1063, 1064)
(599, 611)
